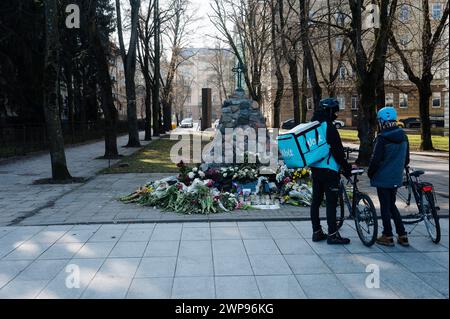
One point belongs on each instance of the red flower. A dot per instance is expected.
(286, 180)
(210, 183)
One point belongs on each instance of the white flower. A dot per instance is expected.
(234, 176)
(195, 169)
(191, 175)
(224, 174)
(201, 174)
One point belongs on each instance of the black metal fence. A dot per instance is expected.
(21, 139)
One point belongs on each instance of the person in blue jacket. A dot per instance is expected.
(326, 175)
(389, 158)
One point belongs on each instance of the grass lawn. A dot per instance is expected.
(439, 142)
(153, 158)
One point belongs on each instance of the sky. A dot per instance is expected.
(203, 26)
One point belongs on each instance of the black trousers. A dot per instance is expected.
(387, 198)
(325, 182)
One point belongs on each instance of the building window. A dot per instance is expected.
(309, 103)
(339, 43)
(341, 101)
(354, 102)
(340, 18)
(436, 100)
(436, 11)
(404, 13)
(342, 72)
(404, 40)
(389, 99)
(403, 100)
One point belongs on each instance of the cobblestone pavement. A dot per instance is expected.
(19, 198)
(213, 260)
(96, 200)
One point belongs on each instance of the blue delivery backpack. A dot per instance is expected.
(304, 145)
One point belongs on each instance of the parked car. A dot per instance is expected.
(338, 124)
(187, 123)
(290, 124)
(414, 122)
(411, 122)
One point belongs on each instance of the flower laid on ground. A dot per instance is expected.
(195, 191)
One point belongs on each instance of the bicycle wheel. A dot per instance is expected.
(340, 211)
(430, 216)
(366, 219)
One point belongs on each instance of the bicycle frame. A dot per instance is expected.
(351, 205)
(412, 186)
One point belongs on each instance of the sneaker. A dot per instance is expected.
(336, 239)
(403, 240)
(319, 236)
(385, 240)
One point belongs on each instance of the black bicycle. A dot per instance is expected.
(425, 197)
(359, 205)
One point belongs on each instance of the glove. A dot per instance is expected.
(347, 171)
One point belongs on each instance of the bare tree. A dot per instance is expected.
(427, 55)
(144, 48)
(290, 37)
(329, 46)
(369, 49)
(99, 48)
(277, 59)
(129, 62)
(220, 65)
(249, 39)
(51, 92)
(177, 33)
(307, 55)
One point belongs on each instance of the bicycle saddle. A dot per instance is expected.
(417, 173)
(358, 171)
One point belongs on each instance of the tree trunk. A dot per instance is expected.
(278, 72)
(148, 110)
(104, 81)
(133, 130)
(157, 65)
(293, 73)
(424, 110)
(366, 123)
(70, 98)
(304, 97)
(51, 89)
(307, 55)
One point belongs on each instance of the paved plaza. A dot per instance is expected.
(96, 201)
(212, 260)
(79, 241)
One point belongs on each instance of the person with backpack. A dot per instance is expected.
(326, 175)
(389, 159)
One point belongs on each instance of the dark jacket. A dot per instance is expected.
(389, 158)
(334, 140)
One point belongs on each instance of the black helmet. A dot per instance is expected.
(329, 104)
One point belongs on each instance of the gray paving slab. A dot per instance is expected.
(193, 288)
(279, 287)
(236, 287)
(41, 263)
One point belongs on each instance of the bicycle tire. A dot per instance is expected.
(369, 217)
(340, 212)
(435, 238)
